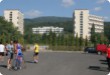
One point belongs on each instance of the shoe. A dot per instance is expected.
(15, 68)
(35, 61)
(108, 73)
(108, 68)
(9, 67)
(1, 74)
(20, 68)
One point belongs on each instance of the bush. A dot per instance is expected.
(65, 48)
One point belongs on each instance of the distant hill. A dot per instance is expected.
(48, 19)
(63, 22)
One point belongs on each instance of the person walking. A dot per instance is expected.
(18, 55)
(36, 52)
(2, 51)
(10, 52)
(108, 57)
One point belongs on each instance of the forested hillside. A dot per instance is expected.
(63, 22)
(48, 19)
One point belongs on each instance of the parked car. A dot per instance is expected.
(90, 50)
(101, 48)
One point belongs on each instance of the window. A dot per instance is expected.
(81, 22)
(10, 15)
(81, 17)
(81, 32)
(17, 17)
(81, 35)
(81, 27)
(10, 20)
(81, 12)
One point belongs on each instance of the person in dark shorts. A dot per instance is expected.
(2, 51)
(36, 52)
(10, 52)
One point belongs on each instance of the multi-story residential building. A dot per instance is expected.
(83, 22)
(16, 17)
(42, 30)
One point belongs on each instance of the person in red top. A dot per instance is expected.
(108, 56)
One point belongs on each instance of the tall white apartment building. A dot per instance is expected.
(42, 30)
(83, 22)
(16, 17)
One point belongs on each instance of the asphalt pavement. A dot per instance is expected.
(60, 63)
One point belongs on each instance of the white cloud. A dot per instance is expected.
(67, 3)
(101, 1)
(1, 1)
(33, 13)
(108, 0)
(97, 8)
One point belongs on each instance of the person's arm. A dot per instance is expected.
(15, 49)
(107, 52)
(34, 48)
(5, 48)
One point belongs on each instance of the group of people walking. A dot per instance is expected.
(13, 51)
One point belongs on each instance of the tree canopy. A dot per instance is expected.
(8, 32)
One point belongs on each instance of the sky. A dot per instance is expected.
(61, 8)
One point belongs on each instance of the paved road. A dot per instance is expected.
(61, 63)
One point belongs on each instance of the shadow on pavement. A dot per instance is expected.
(103, 60)
(104, 63)
(4, 66)
(29, 61)
(98, 68)
(90, 53)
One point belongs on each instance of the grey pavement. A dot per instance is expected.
(60, 63)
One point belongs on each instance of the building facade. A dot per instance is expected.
(16, 17)
(42, 30)
(83, 22)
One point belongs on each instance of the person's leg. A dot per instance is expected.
(2, 56)
(109, 63)
(36, 57)
(9, 63)
(16, 62)
(20, 62)
(10, 57)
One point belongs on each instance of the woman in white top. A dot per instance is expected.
(2, 51)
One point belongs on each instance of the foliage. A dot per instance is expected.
(67, 25)
(8, 32)
(67, 39)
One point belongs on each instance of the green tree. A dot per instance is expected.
(7, 31)
(93, 35)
